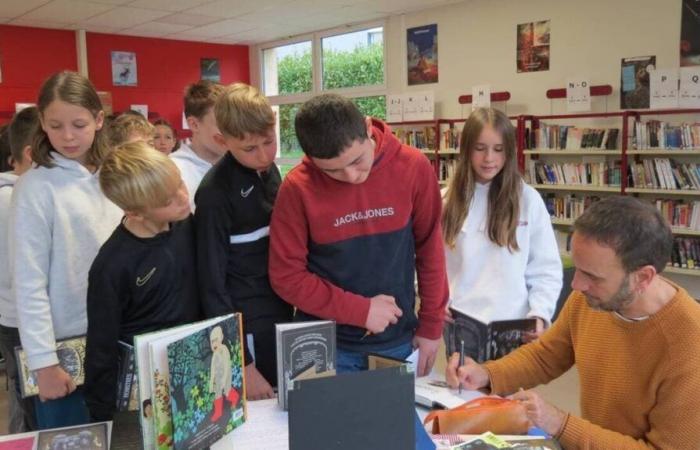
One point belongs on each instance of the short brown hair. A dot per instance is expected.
(126, 124)
(75, 89)
(135, 176)
(22, 130)
(200, 97)
(634, 229)
(241, 110)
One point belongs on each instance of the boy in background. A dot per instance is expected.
(20, 133)
(196, 159)
(130, 126)
(142, 278)
(234, 204)
(352, 224)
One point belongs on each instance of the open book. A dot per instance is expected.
(434, 393)
(482, 341)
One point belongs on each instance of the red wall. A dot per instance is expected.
(164, 67)
(28, 56)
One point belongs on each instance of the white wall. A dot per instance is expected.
(477, 45)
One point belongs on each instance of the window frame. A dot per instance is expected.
(317, 68)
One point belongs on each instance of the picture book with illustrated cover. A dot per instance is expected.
(207, 390)
(71, 358)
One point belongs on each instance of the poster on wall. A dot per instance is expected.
(422, 54)
(124, 69)
(209, 69)
(634, 81)
(533, 46)
(690, 33)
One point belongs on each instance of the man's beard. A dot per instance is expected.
(622, 298)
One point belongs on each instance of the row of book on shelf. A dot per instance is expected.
(424, 138)
(678, 213)
(656, 134)
(568, 137)
(604, 173)
(686, 253)
(664, 173)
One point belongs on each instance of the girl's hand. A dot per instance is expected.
(529, 336)
(54, 383)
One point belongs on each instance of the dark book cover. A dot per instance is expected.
(127, 391)
(368, 410)
(301, 345)
(207, 395)
(483, 342)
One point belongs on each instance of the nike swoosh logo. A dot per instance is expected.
(141, 281)
(245, 192)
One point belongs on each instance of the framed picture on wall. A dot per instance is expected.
(422, 54)
(210, 69)
(124, 69)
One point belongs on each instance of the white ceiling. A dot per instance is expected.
(220, 21)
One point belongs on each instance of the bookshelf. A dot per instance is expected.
(421, 134)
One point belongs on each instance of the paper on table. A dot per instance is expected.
(266, 427)
(431, 391)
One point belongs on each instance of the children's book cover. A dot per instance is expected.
(145, 379)
(207, 393)
(127, 383)
(71, 357)
(83, 437)
(20, 443)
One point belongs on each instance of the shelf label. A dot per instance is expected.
(663, 87)
(578, 95)
(481, 96)
(689, 92)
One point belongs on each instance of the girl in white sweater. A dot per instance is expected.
(59, 220)
(502, 257)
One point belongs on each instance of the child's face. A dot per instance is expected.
(204, 132)
(163, 139)
(254, 151)
(354, 163)
(70, 129)
(488, 155)
(177, 208)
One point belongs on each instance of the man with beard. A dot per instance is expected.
(633, 335)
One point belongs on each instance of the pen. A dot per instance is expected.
(461, 360)
(367, 333)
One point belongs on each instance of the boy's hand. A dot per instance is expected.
(448, 315)
(382, 312)
(428, 349)
(53, 383)
(256, 386)
(471, 375)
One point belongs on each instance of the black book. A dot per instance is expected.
(127, 389)
(369, 410)
(483, 342)
(304, 349)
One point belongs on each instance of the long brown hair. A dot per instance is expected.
(504, 192)
(75, 89)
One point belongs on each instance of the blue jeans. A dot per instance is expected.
(63, 412)
(348, 361)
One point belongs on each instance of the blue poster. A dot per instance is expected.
(422, 53)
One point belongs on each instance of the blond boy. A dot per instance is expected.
(129, 127)
(234, 205)
(142, 278)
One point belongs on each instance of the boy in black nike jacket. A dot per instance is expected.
(234, 205)
(143, 278)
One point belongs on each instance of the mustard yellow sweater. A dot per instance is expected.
(640, 381)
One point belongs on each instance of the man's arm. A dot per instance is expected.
(289, 275)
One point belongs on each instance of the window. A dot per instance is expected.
(353, 59)
(287, 69)
(350, 63)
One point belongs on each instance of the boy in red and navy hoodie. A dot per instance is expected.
(352, 224)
